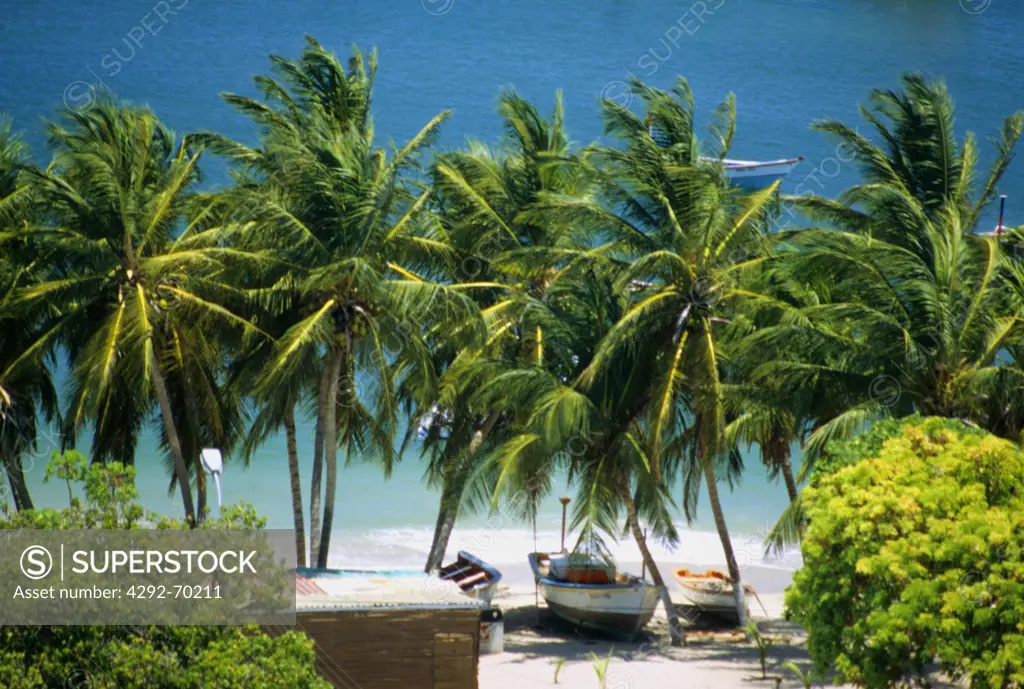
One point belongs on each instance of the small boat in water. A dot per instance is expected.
(476, 578)
(746, 174)
(586, 592)
(753, 174)
(709, 591)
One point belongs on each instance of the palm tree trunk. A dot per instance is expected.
(450, 495)
(446, 514)
(331, 456)
(316, 485)
(200, 490)
(180, 468)
(16, 477)
(723, 535)
(293, 474)
(633, 521)
(787, 474)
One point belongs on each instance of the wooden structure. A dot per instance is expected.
(390, 632)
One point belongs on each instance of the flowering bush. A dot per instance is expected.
(915, 556)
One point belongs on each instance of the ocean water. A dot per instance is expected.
(788, 62)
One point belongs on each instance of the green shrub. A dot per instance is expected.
(916, 556)
(110, 657)
(124, 657)
(843, 453)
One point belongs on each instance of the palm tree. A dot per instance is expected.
(207, 410)
(124, 273)
(276, 409)
(914, 312)
(484, 198)
(683, 243)
(360, 252)
(25, 384)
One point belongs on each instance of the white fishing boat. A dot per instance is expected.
(476, 578)
(709, 591)
(591, 594)
(746, 174)
(755, 174)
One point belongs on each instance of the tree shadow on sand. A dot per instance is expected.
(533, 633)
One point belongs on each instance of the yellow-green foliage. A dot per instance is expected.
(916, 556)
(143, 657)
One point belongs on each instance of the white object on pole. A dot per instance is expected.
(213, 462)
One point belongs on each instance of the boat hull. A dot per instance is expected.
(618, 609)
(476, 578)
(753, 175)
(756, 181)
(614, 612)
(710, 594)
(710, 602)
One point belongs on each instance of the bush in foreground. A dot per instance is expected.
(125, 657)
(915, 556)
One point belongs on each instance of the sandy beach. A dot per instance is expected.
(714, 657)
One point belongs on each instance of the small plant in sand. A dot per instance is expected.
(558, 663)
(601, 666)
(806, 678)
(763, 646)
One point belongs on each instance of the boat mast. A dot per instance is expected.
(565, 505)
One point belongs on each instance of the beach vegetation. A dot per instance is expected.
(805, 677)
(600, 666)
(912, 560)
(143, 657)
(559, 663)
(764, 645)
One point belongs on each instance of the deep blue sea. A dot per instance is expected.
(788, 62)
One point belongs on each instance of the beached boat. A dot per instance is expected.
(709, 591)
(753, 174)
(476, 578)
(592, 594)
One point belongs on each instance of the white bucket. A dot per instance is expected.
(492, 631)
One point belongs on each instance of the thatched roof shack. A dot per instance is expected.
(390, 629)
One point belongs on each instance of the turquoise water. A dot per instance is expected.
(788, 61)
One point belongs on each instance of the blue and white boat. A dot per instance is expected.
(746, 174)
(754, 174)
(476, 578)
(593, 595)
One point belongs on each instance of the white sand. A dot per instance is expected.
(708, 662)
